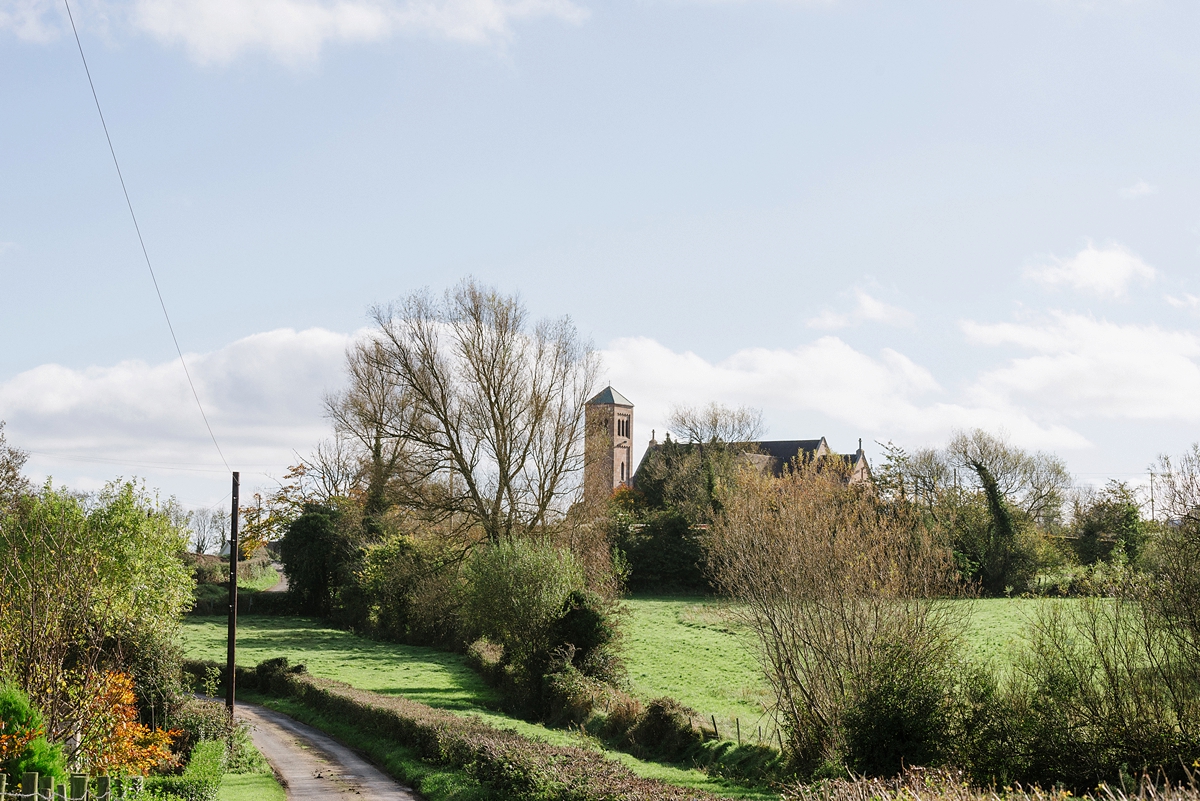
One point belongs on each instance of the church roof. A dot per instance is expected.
(786, 450)
(609, 395)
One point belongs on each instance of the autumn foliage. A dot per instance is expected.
(114, 741)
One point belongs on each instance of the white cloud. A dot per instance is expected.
(217, 31)
(1188, 301)
(888, 396)
(1140, 189)
(1087, 368)
(1107, 271)
(866, 309)
(263, 396)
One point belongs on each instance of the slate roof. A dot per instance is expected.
(610, 395)
(772, 455)
(785, 450)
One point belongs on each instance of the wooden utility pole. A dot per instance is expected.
(231, 659)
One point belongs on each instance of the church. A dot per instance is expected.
(608, 419)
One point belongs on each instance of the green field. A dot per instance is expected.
(694, 650)
(437, 678)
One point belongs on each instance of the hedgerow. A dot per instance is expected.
(509, 764)
(200, 780)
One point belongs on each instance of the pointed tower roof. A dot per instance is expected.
(608, 395)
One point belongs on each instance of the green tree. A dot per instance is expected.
(320, 552)
(91, 583)
(1109, 524)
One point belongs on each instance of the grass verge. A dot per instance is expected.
(250, 787)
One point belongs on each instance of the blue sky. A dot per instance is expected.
(877, 220)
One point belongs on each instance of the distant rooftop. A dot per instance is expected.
(609, 395)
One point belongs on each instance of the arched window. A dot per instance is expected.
(622, 471)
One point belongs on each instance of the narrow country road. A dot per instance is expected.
(313, 765)
(283, 582)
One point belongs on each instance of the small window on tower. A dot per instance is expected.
(622, 471)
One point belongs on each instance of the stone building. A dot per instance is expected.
(609, 448)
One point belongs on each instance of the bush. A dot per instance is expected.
(22, 723)
(666, 731)
(664, 554)
(411, 592)
(900, 715)
(587, 625)
(198, 720)
(319, 552)
(515, 593)
(487, 659)
(200, 780)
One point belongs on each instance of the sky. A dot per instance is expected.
(871, 220)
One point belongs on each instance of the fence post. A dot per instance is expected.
(60, 791)
(29, 786)
(738, 721)
(103, 789)
(46, 788)
(3, 785)
(79, 787)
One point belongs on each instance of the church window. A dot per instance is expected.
(622, 471)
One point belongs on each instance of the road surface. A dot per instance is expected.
(313, 765)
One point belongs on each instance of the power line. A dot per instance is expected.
(141, 241)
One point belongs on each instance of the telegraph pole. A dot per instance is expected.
(230, 666)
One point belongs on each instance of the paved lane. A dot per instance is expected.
(313, 765)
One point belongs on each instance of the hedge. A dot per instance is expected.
(200, 780)
(505, 761)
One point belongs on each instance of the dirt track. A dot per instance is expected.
(314, 765)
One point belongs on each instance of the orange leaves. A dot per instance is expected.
(13, 743)
(114, 740)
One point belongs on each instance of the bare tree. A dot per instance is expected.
(1036, 483)
(491, 408)
(334, 469)
(1178, 484)
(210, 529)
(369, 413)
(835, 584)
(716, 423)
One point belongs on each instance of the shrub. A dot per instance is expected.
(320, 552)
(666, 731)
(623, 714)
(200, 780)
(900, 713)
(1105, 693)
(587, 625)
(487, 659)
(198, 720)
(411, 592)
(515, 593)
(664, 554)
(23, 746)
(832, 580)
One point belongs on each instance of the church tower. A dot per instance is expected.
(608, 444)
